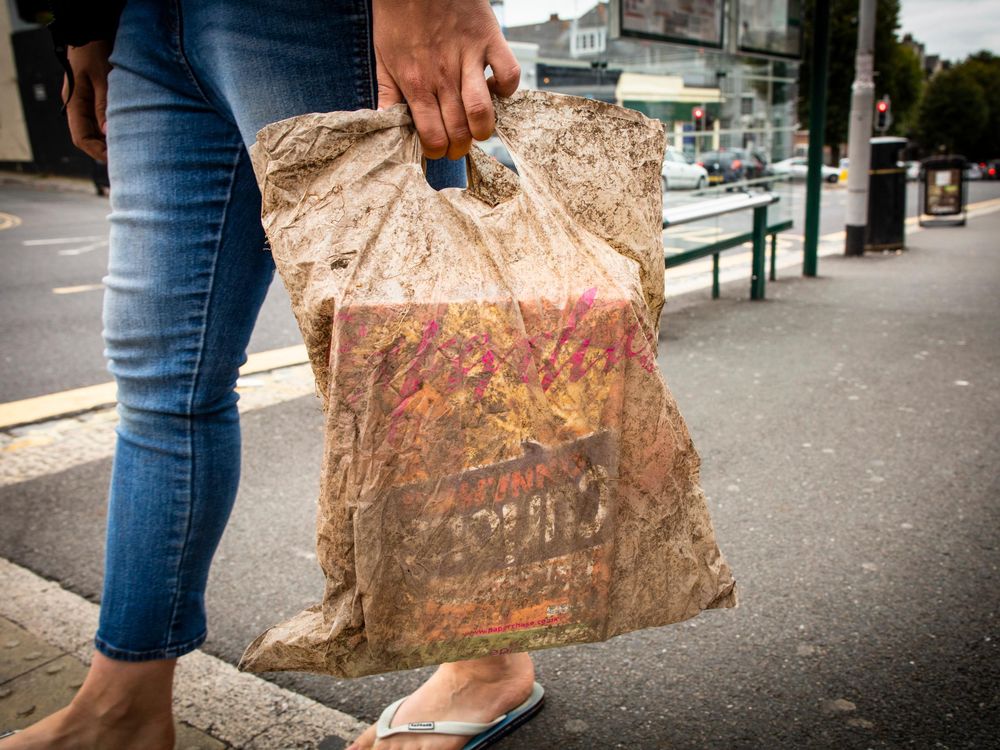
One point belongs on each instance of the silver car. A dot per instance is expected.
(680, 171)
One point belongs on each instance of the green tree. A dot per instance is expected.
(954, 113)
(894, 67)
(907, 88)
(984, 67)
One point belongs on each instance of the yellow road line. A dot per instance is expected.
(76, 289)
(9, 221)
(53, 405)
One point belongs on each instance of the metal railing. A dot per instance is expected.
(746, 201)
(761, 183)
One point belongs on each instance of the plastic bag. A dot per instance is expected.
(504, 467)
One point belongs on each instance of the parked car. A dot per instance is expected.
(680, 171)
(798, 169)
(973, 172)
(733, 165)
(913, 170)
(991, 170)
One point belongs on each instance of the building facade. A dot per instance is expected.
(748, 100)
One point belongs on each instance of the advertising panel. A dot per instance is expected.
(773, 27)
(696, 22)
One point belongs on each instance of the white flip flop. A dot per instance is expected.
(483, 735)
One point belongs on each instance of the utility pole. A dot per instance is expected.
(817, 131)
(858, 147)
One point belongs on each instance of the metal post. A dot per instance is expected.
(774, 257)
(859, 147)
(715, 276)
(759, 252)
(817, 131)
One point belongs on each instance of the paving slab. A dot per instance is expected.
(37, 679)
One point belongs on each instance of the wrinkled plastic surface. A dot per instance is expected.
(504, 466)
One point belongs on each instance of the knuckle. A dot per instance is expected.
(478, 110)
(416, 85)
(461, 137)
(436, 143)
(511, 74)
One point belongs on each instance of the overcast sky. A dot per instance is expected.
(950, 28)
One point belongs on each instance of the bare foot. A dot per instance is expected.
(121, 705)
(478, 690)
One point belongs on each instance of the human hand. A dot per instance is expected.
(432, 54)
(86, 109)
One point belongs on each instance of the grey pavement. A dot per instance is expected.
(52, 341)
(849, 427)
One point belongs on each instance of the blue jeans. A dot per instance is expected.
(193, 81)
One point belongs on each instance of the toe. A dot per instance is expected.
(365, 741)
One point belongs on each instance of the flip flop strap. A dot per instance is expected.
(465, 728)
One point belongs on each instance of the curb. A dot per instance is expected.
(48, 182)
(210, 695)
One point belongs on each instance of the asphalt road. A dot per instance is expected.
(53, 263)
(51, 294)
(849, 428)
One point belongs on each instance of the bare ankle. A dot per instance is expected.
(492, 668)
(117, 692)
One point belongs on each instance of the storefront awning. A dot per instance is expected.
(644, 87)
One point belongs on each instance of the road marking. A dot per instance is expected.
(53, 405)
(238, 708)
(691, 277)
(63, 241)
(76, 289)
(84, 249)
(47, 447)
(9, 221)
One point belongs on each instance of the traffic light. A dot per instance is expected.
(698, 117)
(883, 115)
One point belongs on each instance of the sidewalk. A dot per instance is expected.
(46, 642)
(37, 679)
(849, 428)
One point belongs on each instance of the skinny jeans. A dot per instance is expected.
(192, 83)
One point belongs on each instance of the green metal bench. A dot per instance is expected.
(758, 203)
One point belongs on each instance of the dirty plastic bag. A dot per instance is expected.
(504, 467)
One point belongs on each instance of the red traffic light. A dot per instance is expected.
(882, 106)
(697, 113)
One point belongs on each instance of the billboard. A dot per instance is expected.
(697, 22)
(773, 27)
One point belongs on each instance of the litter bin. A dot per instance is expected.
(942, 191)
(886, 196)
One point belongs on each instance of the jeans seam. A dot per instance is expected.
(367, 54)
(175, 605)
(167, 652)
(182, 56)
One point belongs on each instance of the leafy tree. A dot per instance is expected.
(896, 74)
(908, 85)
(954, 113)
(984, 67)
